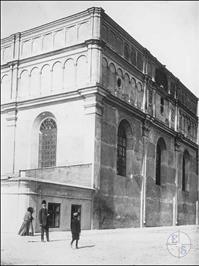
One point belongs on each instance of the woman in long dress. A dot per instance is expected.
(24, 229)
(31, 231)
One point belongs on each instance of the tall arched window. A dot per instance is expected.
(47, 143)
(185, 170)
(158, 165)
(160, 158)
(121, 150)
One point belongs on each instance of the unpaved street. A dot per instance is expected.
(118, 246)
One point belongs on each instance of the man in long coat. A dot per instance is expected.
(75, 229)
(43, 220)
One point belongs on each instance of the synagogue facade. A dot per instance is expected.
(92, 122)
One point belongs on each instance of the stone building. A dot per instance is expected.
(92, 122)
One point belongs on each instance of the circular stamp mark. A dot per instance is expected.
(179, 244)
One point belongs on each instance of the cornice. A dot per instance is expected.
(51, 99)
(45, 55)
(186, 110)
(58, 22)
(29, 179)
(8, 39)
(54, 23)
(111, 54)
(123, 33)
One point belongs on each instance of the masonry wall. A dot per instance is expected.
(187, 199)
(161, 200)
(118, 201)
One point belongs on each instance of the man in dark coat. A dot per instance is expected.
(43, 220)
(75, 229)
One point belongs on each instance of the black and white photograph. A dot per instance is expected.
(99, 132)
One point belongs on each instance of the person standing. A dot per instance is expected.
(31, 230)
(43, 220)
(75, 229)
(24, 229)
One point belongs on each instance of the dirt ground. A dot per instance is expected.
(132, 246)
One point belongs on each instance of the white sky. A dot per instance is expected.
(168, 29)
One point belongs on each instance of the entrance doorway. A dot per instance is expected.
(76, 208)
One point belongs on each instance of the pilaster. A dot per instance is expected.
(146, 127)
(175, 201)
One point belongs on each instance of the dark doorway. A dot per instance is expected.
(54, 211)
(76, 208)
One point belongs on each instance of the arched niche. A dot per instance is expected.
(112, 78)
(105, 73)
(71, 35)
(23, 91)
(5, 88)
(82, 71)
(45, 80)
(69, 75)
(26, 48)
(47, 42)
(57, 76)
(58, 40)
(35, 82)
(133, 92)
(126, 84)
(140, 94)
(119, 82)
(36, 45)
(83, 31)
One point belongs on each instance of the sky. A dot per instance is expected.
(168, 29)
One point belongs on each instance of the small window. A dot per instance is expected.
(54, 218)
(119, 82)
(161, 105)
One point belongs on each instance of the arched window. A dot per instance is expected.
(121, 150)
(160, 158)
(185, 170)
(47, 143)
(158, 165)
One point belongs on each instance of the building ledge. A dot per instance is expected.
(30, 179)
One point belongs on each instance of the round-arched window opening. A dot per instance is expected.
(119, 82)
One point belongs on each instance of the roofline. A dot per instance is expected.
(88, 11)
(57, 22)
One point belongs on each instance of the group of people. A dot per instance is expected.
(27, 226)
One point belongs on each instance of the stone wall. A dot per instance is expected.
(160, 200)
(117, 204)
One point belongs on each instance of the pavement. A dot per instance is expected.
(134, 246)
